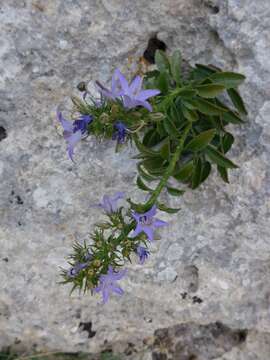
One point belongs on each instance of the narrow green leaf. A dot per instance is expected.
(227, 142)
(165, 150)
(154, 166)
(185, 172)
(227, 79)
(170, 128)
(232, 117)
(141, 185)
(144, 174)
(145, 150)
(164, 208)
(187, 93)
(189, 104)
(151, 138)
(219, 159)
(161, 60)
(190, 115)
(237, 101)
(176, 62)
(160, 129)
(207, 108)
(175, 192)
(223, 172)
(196, 177)
(206, 169)
(210, 69)
(210, 90)
(162, 82)
(201, 141)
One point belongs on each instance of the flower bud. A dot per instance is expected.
(156, 116)
(104, 118)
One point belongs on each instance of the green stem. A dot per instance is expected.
(155, 194)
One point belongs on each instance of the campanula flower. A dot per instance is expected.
(74, 271)
(131, 94)
(108, 284)
(120, 133)
(115, 91)
(143, 253)
(109, 203)
(147, 223)
(74, 131)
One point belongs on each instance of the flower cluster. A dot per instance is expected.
(130, 95)
(178, 125)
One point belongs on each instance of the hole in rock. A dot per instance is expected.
(87, 326)
(19, 200)
(196, 300)
(154, 44)
(213, 9)
(3, 133)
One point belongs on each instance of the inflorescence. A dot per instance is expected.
(178, 125)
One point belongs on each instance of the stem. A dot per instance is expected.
(155, 194)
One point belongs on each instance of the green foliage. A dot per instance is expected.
(197, 99)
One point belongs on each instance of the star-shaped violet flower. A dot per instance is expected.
(131, 94)
(108, 284)
(143, 253)
(147, 223)
(115, 91)
(74, 131)
(109, 203)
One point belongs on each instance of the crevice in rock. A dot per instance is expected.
(3, 133)
(153, 45)
(87, 326)
(193, 341)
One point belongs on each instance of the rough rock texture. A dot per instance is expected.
(214, 262)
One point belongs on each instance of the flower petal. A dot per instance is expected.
(67, 125)
(104, 91)
(119, 274)
(144, 104)
(123, 82)
(152, 212)
(149, 232)
(72, 141)
(145, 94)
(106, 204)
(159, 223)
(128, 102)
(105, 295)
(117, 290)
(136, 85)
(137, 231)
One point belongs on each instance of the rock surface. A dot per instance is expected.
(215, 264)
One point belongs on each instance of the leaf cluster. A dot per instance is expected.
(200, 100)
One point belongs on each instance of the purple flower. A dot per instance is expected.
(74, 131)
(109, 203)
(108, 284)
(143, 254)
(121, 132)
(131, 94)
(74, 271)
(147, 223)
(115, 90)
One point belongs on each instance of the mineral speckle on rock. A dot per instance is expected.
(46, 49)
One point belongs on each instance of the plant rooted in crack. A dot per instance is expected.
(179, 127)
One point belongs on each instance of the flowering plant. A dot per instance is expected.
(178, 125)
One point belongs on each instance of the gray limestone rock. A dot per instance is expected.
(46, 48)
